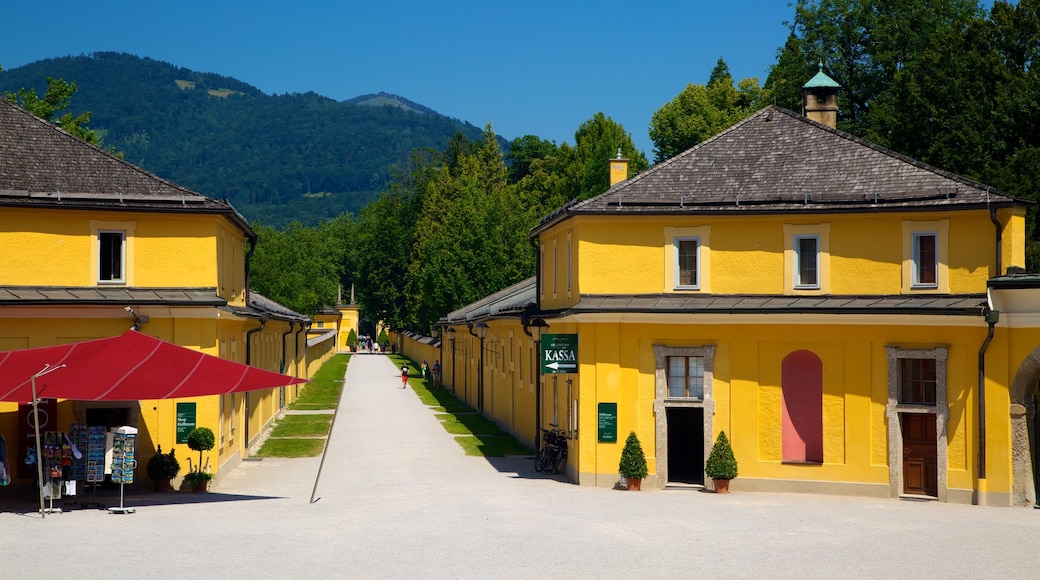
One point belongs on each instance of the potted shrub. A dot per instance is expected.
(198, 481)
(163, 467)
(352, 340)
(633, 463)
(200, 439)
(721, 465)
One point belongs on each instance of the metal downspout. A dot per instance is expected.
(1000, 237)
(296, 352)
(538, 367)
(281, 365)
(991, 317)
(249, 361)
(249, 256)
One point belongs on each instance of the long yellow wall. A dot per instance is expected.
(867, 253)
(619, 367)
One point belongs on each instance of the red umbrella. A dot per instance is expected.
(129, 367)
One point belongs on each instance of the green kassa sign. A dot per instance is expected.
(559, 353)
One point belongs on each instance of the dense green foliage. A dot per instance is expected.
(56, 98)
(275, 157)
(942, 82)
(302, 267)
(701, 111)
(721, 463)
(633, 461)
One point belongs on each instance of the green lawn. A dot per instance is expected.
(323, 390)
(305, 435)
(476, 434)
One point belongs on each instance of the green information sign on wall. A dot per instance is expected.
(559, 353)
(185, 421)
(608, 422)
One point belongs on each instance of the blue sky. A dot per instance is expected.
(534, 67)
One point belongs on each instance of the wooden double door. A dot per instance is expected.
(920, 460)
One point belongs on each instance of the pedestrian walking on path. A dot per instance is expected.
(404, 375)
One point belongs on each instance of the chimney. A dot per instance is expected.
(820, 99)
(618, 168)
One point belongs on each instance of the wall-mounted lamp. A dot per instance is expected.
(536, 328)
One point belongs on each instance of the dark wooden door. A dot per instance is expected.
(920, 472)
(685, 444)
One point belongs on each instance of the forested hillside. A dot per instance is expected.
(275, 157)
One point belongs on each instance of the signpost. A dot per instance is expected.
(559, 354)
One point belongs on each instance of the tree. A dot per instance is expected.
(700, 112)
(596, 142)
(302, 268)
(57, 98)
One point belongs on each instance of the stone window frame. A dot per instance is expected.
(895, 408)
(662, 401)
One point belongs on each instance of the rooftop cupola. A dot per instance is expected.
(820, 99)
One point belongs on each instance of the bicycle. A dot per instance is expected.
(553, 453)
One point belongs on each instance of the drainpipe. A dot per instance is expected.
(281, 365)
(1000, 233)
(537, 348)
(991, 317)
(249, 256)
(249, 360)
(296, 351)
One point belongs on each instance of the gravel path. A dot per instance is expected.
(398, 499)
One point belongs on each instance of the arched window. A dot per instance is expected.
(802, 403)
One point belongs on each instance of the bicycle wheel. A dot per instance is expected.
(547, 459)
(539, 460)
(556, 461)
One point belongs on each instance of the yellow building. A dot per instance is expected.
(822, 300)
(93, 245)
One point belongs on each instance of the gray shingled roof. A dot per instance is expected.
(258, 305)
(43, 166)
(777, 161)
(509, 301)
(935, 304)
(107, 296)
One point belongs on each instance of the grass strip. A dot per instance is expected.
(502, 445)
(477, 435)
(303, 426)
(323, 390)
(291, 447)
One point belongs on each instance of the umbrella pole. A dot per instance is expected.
(47, 369)
(39, 455)
(332, 428)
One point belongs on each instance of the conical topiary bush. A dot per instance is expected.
(721, 464)
(633, 461)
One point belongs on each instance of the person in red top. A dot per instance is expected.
(404, 375)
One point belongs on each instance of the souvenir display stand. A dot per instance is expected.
(54, 450)
(124, 461)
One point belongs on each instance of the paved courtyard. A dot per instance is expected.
(398, 499)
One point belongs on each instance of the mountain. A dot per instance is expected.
(275, 157)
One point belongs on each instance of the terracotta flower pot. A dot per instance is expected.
(633, 483)
(721, 485)
(161, 485)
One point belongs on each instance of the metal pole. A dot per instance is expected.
(39, 454)
(332, 428)
(47, 368)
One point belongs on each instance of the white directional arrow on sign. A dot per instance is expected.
(555, 366)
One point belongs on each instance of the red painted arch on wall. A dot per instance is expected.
(802, 403)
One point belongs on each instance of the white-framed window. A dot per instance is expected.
(685, 377)
(925, 257)
(687, 263)
(111, 257)
(807, 258)
(807, 262)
